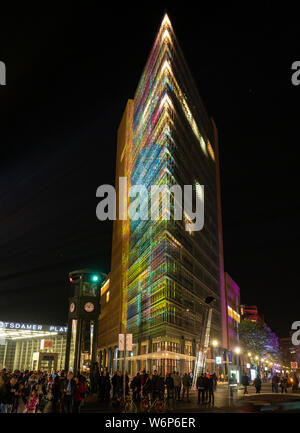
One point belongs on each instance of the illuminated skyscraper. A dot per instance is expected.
(161, 273)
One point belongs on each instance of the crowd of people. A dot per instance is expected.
(171, 386)
(62, 392)
(283, 382)
(37, 391)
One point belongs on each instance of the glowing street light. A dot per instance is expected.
(249, 353)
(215, 343)
(95, 278)
(237, 350)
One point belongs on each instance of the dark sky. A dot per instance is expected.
(68, 79)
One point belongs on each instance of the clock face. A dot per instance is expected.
(89, 307)
(72, 307)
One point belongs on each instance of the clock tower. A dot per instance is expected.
(84, 311)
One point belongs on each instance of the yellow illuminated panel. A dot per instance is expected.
(105, 287)
(210, 151)
(234, 314)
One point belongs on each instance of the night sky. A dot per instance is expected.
(68, 79)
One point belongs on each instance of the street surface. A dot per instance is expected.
(266, 401)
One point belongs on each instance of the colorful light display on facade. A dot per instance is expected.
(166, 272)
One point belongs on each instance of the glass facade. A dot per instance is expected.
(166, 138)
(24, 350)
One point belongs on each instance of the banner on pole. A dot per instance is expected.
(121, 344)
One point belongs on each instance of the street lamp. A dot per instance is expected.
(249, 354)
(215, 343)
(237, 350)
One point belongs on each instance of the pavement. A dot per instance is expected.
(266, 401)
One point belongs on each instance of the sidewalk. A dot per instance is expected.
(224, 402)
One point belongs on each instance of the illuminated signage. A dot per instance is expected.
(32, 327)
(218, 360)
(46, 344)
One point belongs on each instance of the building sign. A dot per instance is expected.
(248, 365)
(32, 327)
(218, 360)
(46, 344)
(122, 342)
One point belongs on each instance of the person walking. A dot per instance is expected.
(107, 387)
(56, 395)
(78, 394)
(170, 386)
(32, 402)
(295, 383)
(206, 386)
(69, 392)
(115, 384)
(136, 387)
(100, 385)
(177, 385)
(275, 381)
(186, 382)
(94, 377)
(211, 389)
(156, 385)
(9, 394)
(283, 384)
(245, 383)
(215, 380)
(147, 389)
(200, 387)
(257, 384)
(20, 398)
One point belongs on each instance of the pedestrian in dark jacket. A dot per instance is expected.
(156, 385)
(136, 387)
(257, 384)
(245, 383)
(9, 395)
(148, 387)
(215, 380)
(107, 387)
(283, 384)
(275, 381)
(101, 386)
(170, 386)
(206, 387)
(211, 389)
(57, 395)
(201, 389)
(69, 393)
(116, 384)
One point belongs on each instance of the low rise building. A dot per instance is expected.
(30, 346)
